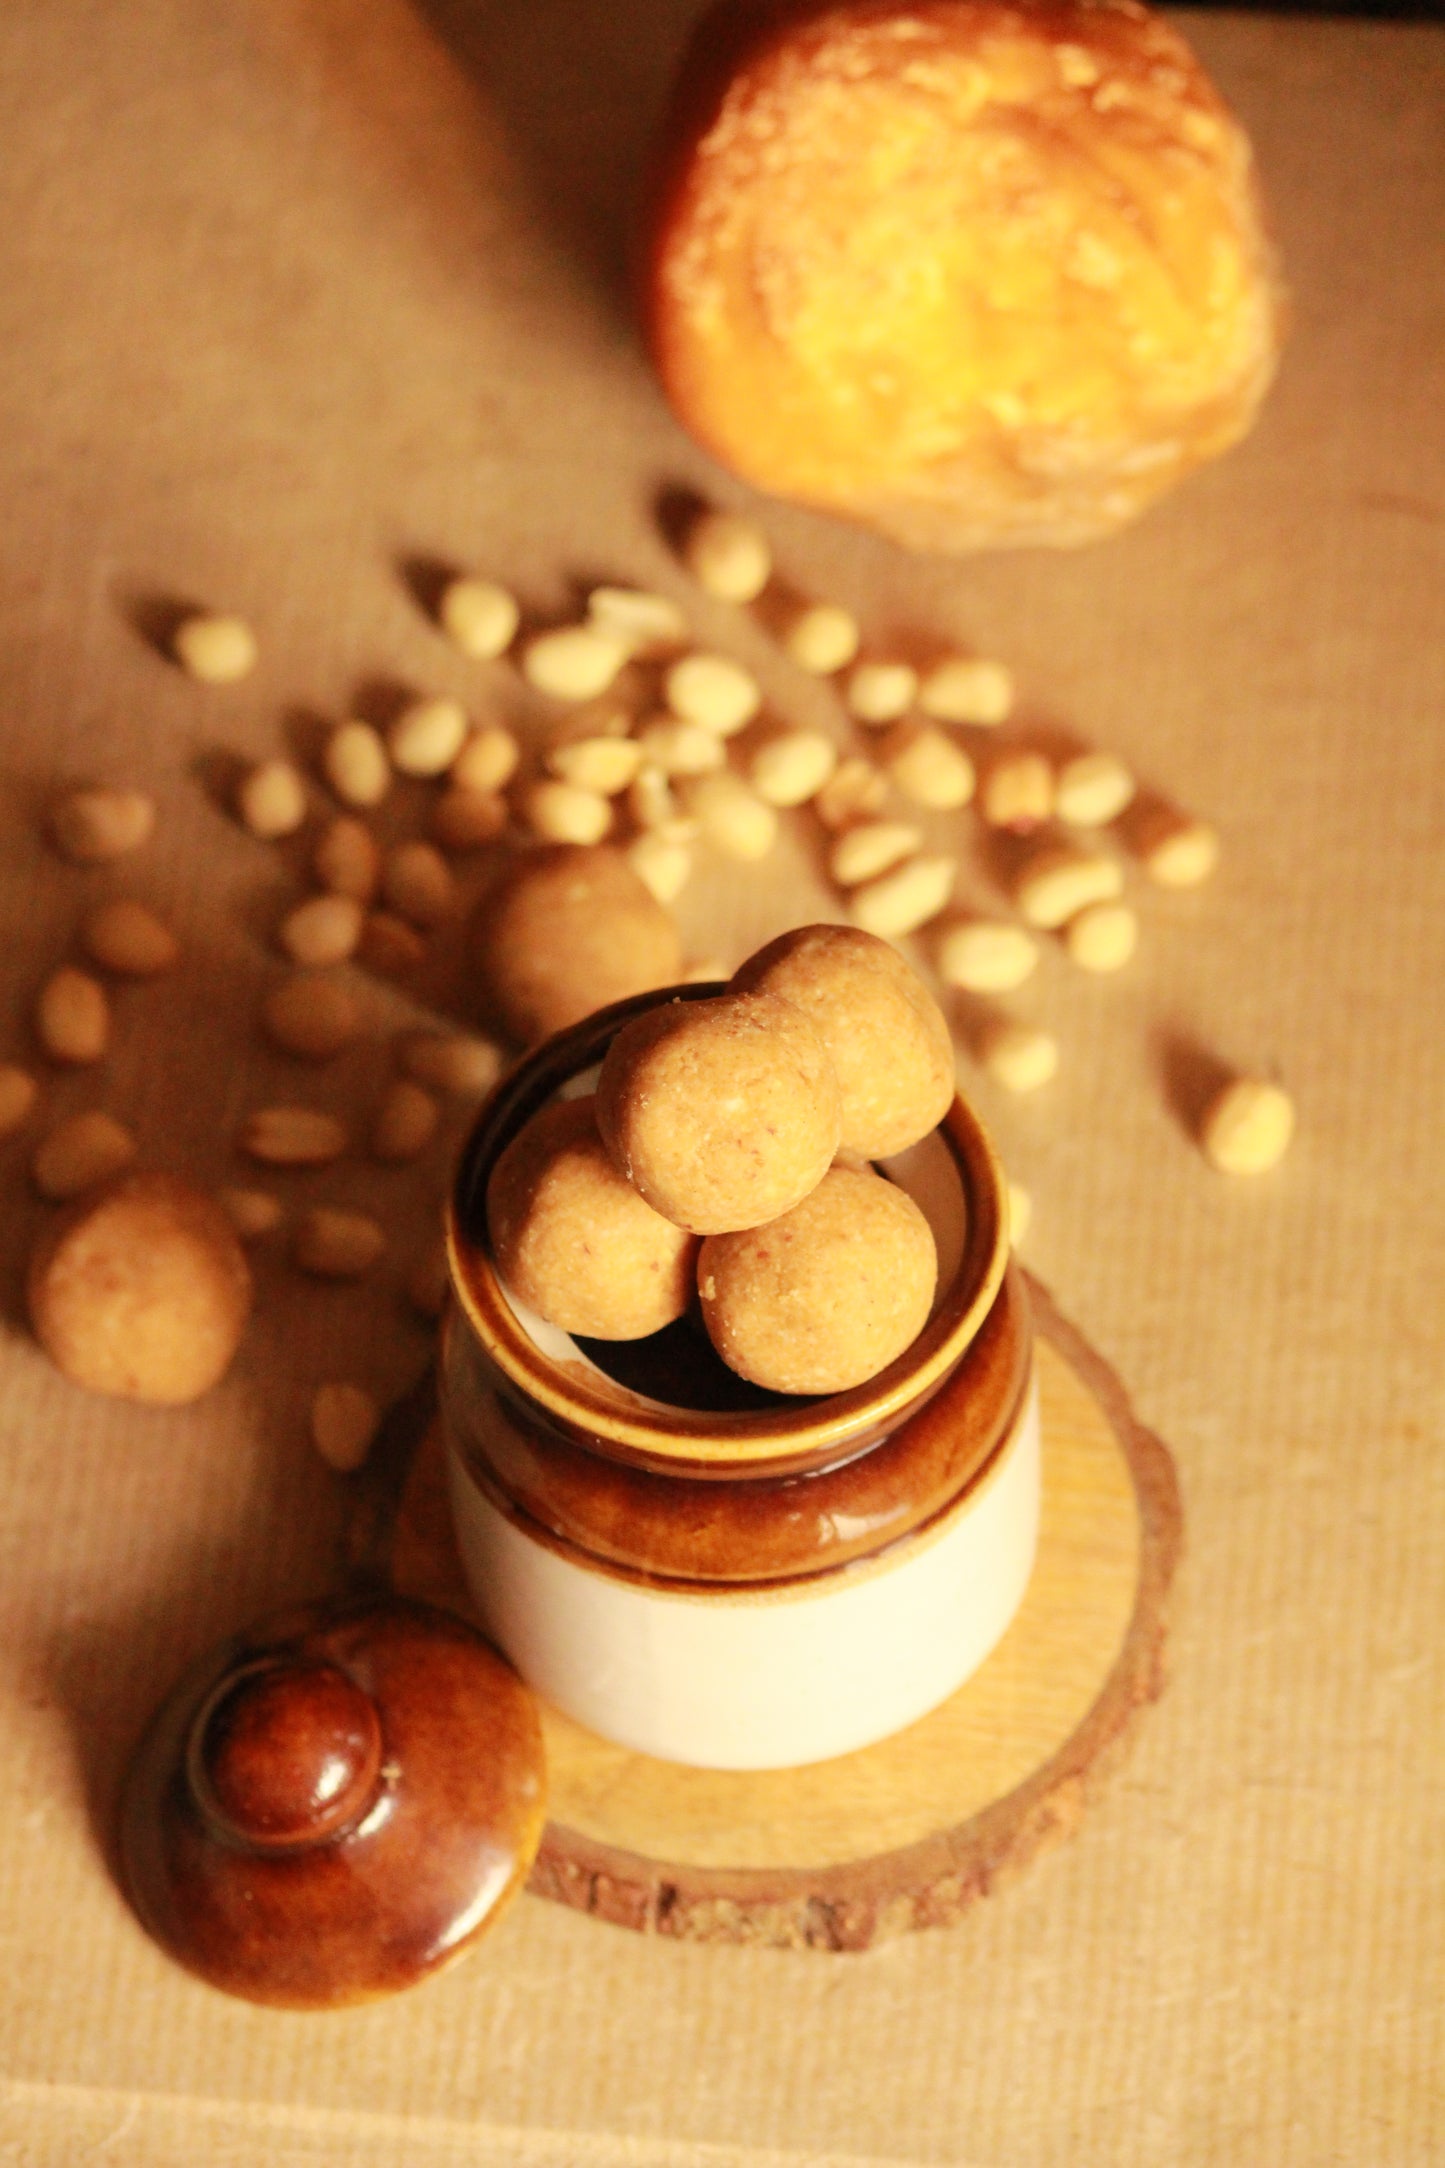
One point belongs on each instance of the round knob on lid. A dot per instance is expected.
(286, 1754)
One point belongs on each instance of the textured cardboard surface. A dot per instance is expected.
(296, 291)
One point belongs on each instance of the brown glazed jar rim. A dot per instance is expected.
(589, 1409)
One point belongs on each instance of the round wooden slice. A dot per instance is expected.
(913, 1831)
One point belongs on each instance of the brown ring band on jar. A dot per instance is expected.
(589, 1410)
(751, 1529)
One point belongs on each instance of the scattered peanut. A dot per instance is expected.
(646, 622)
(967, 689)
(651, 800)
(879, 692)
(427, 736)
(1059, 879)
(714, 691)
(463, 820)
(854, 790)
(79, 1153)
(406, 1121)
(356, 764)
(337, 1245)
(1020, 1213)
(347, 861)
(661, 865)
(1091, 789)
(1017, 791)
(389, 945)
(72, 1017)
(1247, 1126)
(478, 616)
(604, 765)
(451, 1062)
(734, 818)
(344, 1422)
(929, 768)
(288, 1136)
(271, 799)
(862, 853)
(417, 882)
(1102, 937)
(310, 1015)
(902, 901)
(18, 1092)
(564, 813)
(322, 930)
(252, 1212)
(1176, 850)
(1021, 1057)
(792, 766)
(128, 938)
(820, 637)
(428, 1282)
(217, 649)
(678, 748)
(574, 662)
(90, 827)
(728, 555)
(986, 956)
(487, 760)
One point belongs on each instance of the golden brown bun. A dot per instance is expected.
(976, 274)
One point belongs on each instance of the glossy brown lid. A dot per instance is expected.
(335, 1803)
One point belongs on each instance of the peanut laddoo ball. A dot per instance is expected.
(575, 1240)
(974, 272)
(142, 1290)
(724, 1113)
(827, 1295)
(887, 1036)
(567, 929)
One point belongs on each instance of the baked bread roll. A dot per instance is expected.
(974, 272)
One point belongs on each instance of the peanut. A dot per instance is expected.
(651, 800)
(986, 956)
(389, 945)
(463, 820)
(91, 827)
(310, 1015)
(427, 736)
(451, 1062)
(356, 765)
(967, 689)
(322, 930)
(792, 767)
(72, 1017)
(1020, 1213)
(879, 692)
(1176, 850)
(347, 861)
(344, 1422)
(217, 649)
(820, 637)
(1021, 1057)
(728, 555)
(18, 1093)
(852, 792)
(1091, 789)
(478, 616)
(417, 882)
(1059, 879)
(488, 760)
(252, 1212)
(564, 813)
(80, 1153)
(406, 1121)
(661, 865)
(1018, 791)
(862, 853)
(603, 765)
(574, 662)
(900, 902)
(1102, 937)
(646, 622)
(289, 1136)
(714, 691)
(732, 817)
(1247, 1126)
(678, 748)
(128, 938)
(337, 1245)
(271, 800)
(929, 768)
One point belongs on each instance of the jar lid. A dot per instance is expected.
(335, 1803)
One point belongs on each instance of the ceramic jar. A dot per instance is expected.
(713, 1574)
